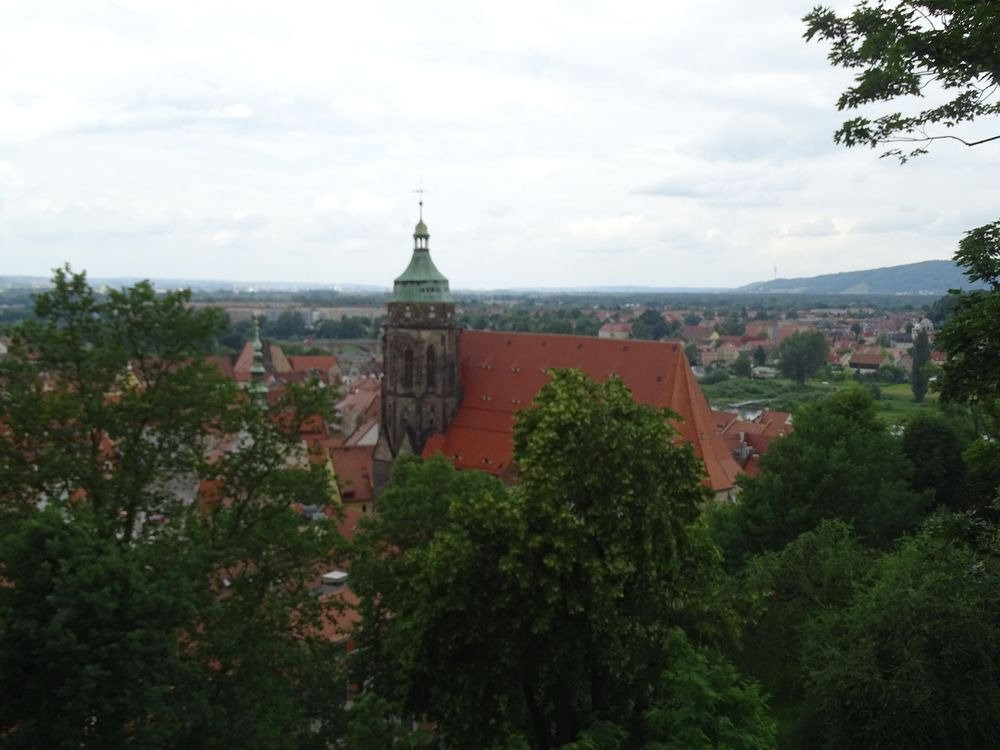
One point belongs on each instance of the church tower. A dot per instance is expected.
(420, 388)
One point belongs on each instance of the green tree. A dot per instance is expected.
(970, 337)
(692, 353)
(891, 374)
(921, 358)
(839, 462)
(818, 571)
(942, 309)
(651, 326)
(551, 612)
(136, 610)
(901, 50)
(913, 661)
(235, 335)
(802, 354)
(733, 325)
(760, 356)
(289, 325)
(982, 464)
(743, 366)
(934, 448)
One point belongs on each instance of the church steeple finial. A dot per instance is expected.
(420, 234)
(420, 191)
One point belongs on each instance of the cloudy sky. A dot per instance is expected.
(560, 143)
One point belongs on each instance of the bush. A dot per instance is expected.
(714, 376)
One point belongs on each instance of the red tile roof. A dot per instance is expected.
(502, 372)
(309, 362)
(244, 361)
(353, 466)
(357, 402)
(225, 364)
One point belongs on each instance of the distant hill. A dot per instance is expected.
(931, 277)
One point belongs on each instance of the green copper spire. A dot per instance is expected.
(257, 372)
(421, 281)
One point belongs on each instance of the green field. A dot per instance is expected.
(895, 403)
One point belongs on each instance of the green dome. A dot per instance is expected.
(421, 281)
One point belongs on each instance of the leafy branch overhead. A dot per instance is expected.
(942, 53)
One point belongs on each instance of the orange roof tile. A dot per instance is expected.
(225, 364)
(502, 372)
(244, 360)
(308, 362)
(352, 465)
(357, 402)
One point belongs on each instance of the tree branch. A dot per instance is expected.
(928, 138)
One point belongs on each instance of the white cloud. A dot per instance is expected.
(564, 142)
(812, 228)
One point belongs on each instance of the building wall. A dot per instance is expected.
(420, 388)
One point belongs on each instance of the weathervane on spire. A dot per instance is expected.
(420, 190)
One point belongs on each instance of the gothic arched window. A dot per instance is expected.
(408, 368)
(431, 367)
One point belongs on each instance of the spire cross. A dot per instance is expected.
(420, 190)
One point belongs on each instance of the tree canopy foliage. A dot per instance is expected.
(971, 337)
(921, 353)
(562, 611)
(913, 660)
(155, 575)
(839, 462)
(942, 52)
(802, 354)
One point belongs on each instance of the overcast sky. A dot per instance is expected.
(560, 143)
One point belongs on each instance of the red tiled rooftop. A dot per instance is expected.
(357, 402)
(225, 365)
(352, 465)
(309, 362)
(502, 372)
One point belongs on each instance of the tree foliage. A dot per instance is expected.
(919, 379)
(652, 326)
(743, 366)
(839, 462)
(970, 336)
(944, 52)
(818, 571)
(560, 611)
(913, 660)
(137, 610)
(802, 354)
(289, 324)
(934, 448)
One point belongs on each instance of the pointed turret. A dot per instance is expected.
(258, 389)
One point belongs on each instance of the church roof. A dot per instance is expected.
(421, 281)
(502, 372)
